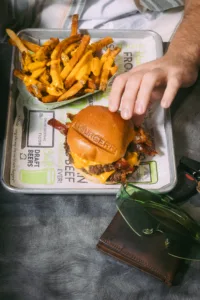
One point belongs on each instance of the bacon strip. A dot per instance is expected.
(58, 125)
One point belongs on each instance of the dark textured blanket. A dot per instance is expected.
(47, 242)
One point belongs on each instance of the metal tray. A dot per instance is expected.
(41, 35)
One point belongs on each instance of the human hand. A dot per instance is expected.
(133, 91)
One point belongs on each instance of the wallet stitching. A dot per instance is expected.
(166, 277)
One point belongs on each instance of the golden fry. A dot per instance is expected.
(113, 70)
(105, 73)
(105, 55)
(52, 62)
(63, 44)
(115, 52)
(51, 90)
(16, 40)
(55, 75)
(18, 74)
(28, 80)
(31, 46)
(91, 84)
(35, 91)
(37, 73)
(87, 91)
(49, 98)
(45, 78)
(45, 50)
(72, 76)
(96, 80)
(74, 26)
(26, 61)
(64, 58)
(96, 65)
(76, 57)
(85, 70)
(36, 65)
(52, 42)
(71, 48)
(74, 89)
(96, 46)
(11, 42)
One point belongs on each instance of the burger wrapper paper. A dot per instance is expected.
(39, 160)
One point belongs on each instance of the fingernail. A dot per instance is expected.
(139, 109)
(125, 113)
(113, 108)
(165, 104)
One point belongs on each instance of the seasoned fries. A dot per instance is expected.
(61, 70)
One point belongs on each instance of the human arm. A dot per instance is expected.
(160, 79)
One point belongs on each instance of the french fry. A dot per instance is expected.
(51, 90)
(45, 78)
(74, 26)
(105, 73)
(28, 80)
(91, 84)
(87, 91)
(76, 57)
(31, 46)
(64, 58)
(52, 62)
(96, 65)
(35, 91)
(74, 89)
(105, 55)
(96, 80)
(70, 48)
(45, 50)
(37, 73)
(85, 70)
(26, 61)
(96, 46)
(49, 98)
(55, 75)
(113, 70)
(52, 42)
(11, 42)
(115, 52)
(16, 40)
(72, 76)
(18, 74)
(36, 65)
(63, 44)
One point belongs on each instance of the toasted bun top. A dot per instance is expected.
(98, 135)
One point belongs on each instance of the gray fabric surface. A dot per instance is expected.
(47, 242)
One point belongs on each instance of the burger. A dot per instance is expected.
(102, 146)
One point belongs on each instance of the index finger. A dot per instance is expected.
(117, 91)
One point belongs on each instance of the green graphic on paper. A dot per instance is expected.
(146, 173)
(44, 176)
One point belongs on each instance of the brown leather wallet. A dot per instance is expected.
(147, 253)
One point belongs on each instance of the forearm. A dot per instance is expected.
(186, 41)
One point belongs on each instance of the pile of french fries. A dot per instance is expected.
(62, 70)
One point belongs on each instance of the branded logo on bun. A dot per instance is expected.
(104, 147)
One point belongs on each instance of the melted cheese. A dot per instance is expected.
(80, 163)
(132, 158)
(104, 176)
